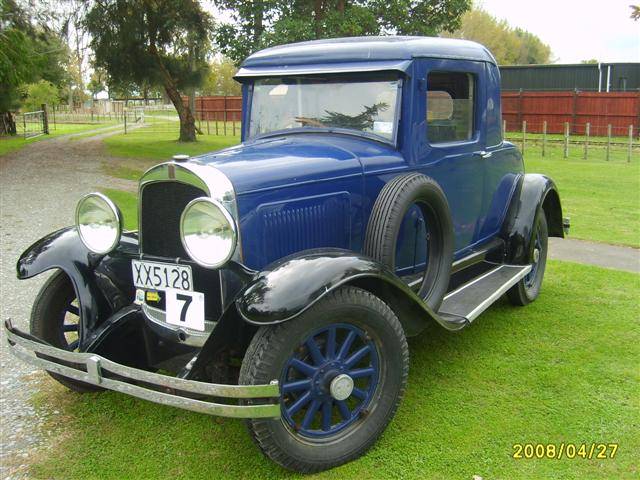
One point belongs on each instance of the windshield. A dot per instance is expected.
(367, 106)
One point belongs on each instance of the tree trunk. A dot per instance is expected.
(7, 123)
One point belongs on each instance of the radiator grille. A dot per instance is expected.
(161, 205)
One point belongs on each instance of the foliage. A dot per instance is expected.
(635, 12)
(262, 23)
(220, 79)
(38, 93)
(510, 46)
(153, 42)
(29, 51)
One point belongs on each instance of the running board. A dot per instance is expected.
(467, 302)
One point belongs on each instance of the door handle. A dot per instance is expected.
(484, 154)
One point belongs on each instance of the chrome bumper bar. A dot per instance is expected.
(96, 370)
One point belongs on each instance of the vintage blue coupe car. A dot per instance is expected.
(372, 194)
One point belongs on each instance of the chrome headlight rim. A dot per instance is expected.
(229, 219)
(116, 213)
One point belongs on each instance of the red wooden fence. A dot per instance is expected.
(618, 109)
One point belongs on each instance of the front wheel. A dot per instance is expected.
(55, 318)
(342, 367)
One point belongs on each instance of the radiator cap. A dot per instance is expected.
(181, 157)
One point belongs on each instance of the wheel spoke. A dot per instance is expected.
(327, 413)
(362, 372)
(311, 344)
(73, 309)
(331, 343)
(71, 327)
(344, 410)
(356, 357)
(302, 367)
(311, 413)
(359, 393)
(296, 386)
(299, 403)
(73, 345)
(346, 345)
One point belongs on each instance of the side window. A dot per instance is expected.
(450, 106)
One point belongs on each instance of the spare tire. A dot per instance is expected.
(389, 210)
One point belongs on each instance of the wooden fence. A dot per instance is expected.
(222, 109)
(599, 110)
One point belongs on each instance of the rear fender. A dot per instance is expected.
(103, 283)
(536, 194)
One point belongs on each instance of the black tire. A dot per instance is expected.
(527, 289)
(50, 309)
(271, 348)
(387, 215)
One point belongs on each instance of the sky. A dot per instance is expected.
(575, 29)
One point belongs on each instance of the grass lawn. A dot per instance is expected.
(16, 143)
(564, 369)
(601, 198)
(127, 203)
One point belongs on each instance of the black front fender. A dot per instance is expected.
(536, 194)
(294, 284)
(103, 283)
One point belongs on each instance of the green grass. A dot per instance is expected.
(11, 144)
(602, 198)
(564, 369)
(127, 203)
(140, 150)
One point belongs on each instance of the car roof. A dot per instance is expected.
(368, 49)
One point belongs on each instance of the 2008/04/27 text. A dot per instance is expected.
(564, 450)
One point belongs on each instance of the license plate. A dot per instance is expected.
(161, 276)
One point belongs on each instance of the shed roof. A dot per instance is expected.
(394, 51)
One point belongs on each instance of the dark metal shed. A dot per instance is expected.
(597, 77)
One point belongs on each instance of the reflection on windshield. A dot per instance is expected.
(295, 102)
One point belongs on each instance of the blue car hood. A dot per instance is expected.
(290, 160)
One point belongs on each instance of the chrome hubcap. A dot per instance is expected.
(341, 387)
(536, 255)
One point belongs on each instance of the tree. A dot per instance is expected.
(150, 42)
(635, 12)
(509, 46)
(29, 51)
(220, 79)
(38, 93)
(262, 23)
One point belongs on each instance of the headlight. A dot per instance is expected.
(208, 232)
(99, 223)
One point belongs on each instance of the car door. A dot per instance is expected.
(450, 121)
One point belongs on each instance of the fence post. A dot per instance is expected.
(524, 135)
(587, 132)
(224, 117)
(124, 114)
(566, 139)
(54, 117)
(608, 141)
(504, 128)
(208, 133)
(544, 137)
(24, 125)
(45, 119)
(630, 143)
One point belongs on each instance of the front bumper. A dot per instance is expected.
(176, 392)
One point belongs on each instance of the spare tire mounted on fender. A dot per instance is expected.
(387, 215)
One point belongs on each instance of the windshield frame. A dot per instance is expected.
(393, 141)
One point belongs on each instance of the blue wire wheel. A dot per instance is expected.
(327, 384)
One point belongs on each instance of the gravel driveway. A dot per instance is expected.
(39, 188)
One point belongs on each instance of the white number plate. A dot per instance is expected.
(161, 276)
(185, 309)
